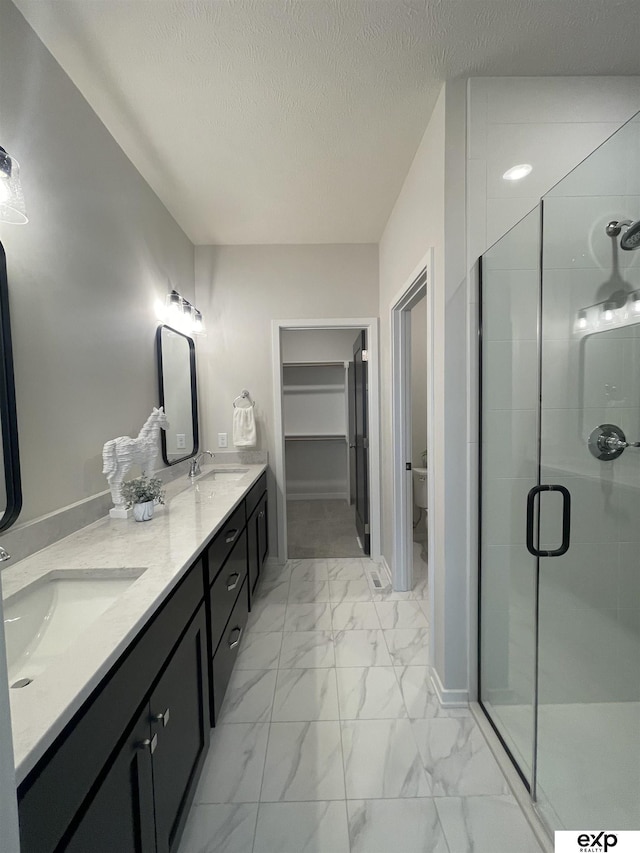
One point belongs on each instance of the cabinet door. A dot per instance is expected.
(180, 719)
(253, 551)
(121, 814)
(263, 532)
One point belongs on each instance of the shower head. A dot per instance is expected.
(630, 240)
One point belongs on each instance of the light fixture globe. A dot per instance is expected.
(12, 208)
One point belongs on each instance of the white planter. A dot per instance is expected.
(144, 511)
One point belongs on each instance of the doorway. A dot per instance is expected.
(412, 408)
(327, 434)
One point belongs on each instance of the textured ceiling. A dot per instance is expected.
(295, 121)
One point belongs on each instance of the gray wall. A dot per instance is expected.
(84, 275)
(242, 289)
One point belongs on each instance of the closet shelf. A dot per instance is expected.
(304, 389)
(313, 364)
(316, 437)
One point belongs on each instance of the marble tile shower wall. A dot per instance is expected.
(590, 608)
(330, 739)
(551, 123)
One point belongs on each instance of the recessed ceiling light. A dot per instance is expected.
(516, 173)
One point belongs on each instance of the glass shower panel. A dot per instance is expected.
(509, 469)
(588, 736)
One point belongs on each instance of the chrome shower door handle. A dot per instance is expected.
(532, 548)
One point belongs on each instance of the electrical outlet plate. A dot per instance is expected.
(222, 439)
(181, 441)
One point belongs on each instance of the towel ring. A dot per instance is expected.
(244, 395)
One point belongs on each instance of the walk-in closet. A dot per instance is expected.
(319, 415)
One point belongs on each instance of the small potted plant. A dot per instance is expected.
(142, 494)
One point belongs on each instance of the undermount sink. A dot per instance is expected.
(45, 617)
(226, 474)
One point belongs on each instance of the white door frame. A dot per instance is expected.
(401, 306)
(370, 324)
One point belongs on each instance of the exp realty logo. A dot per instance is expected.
(597, 841)
(592, 842)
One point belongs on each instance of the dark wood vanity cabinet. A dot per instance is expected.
(178, 709)
(228, 611)
(122, 774)
(225, 588)
(151, 774)
(121, 814)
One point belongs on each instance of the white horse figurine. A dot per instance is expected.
(119, 454)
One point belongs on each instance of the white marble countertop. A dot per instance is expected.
(165, 547)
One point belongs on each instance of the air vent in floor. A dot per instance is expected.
(374, 578)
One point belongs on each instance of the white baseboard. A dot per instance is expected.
(318, 496)
(385, 570)
(273, 563)
(449, 698)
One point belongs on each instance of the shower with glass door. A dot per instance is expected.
(559, 520)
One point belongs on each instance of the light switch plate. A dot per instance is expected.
(222, 439)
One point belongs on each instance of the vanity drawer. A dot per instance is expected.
(225, 588)
(255, 493)
(225, 657)
(224, 540)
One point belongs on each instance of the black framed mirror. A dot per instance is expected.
(176, 354)
(10, 486)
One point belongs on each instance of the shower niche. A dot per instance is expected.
(559, 628)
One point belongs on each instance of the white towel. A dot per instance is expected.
(244, 426)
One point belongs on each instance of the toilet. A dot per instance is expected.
(420, 487)
(420, 494)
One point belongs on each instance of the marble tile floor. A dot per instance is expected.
(331, 739)
(321, 529)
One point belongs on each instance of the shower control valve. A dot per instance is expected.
(608, 441)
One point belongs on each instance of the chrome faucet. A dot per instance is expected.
(3, 555)
(194, 467)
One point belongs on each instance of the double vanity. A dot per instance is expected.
(121, 640)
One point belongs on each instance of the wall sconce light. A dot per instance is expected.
(12, 207)
(198, 323)
(182, 315)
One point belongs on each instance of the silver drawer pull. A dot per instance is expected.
(261, 514)
(232, 584)
(149, 744)
(234, 643)
(230, 537)
(163, 718)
